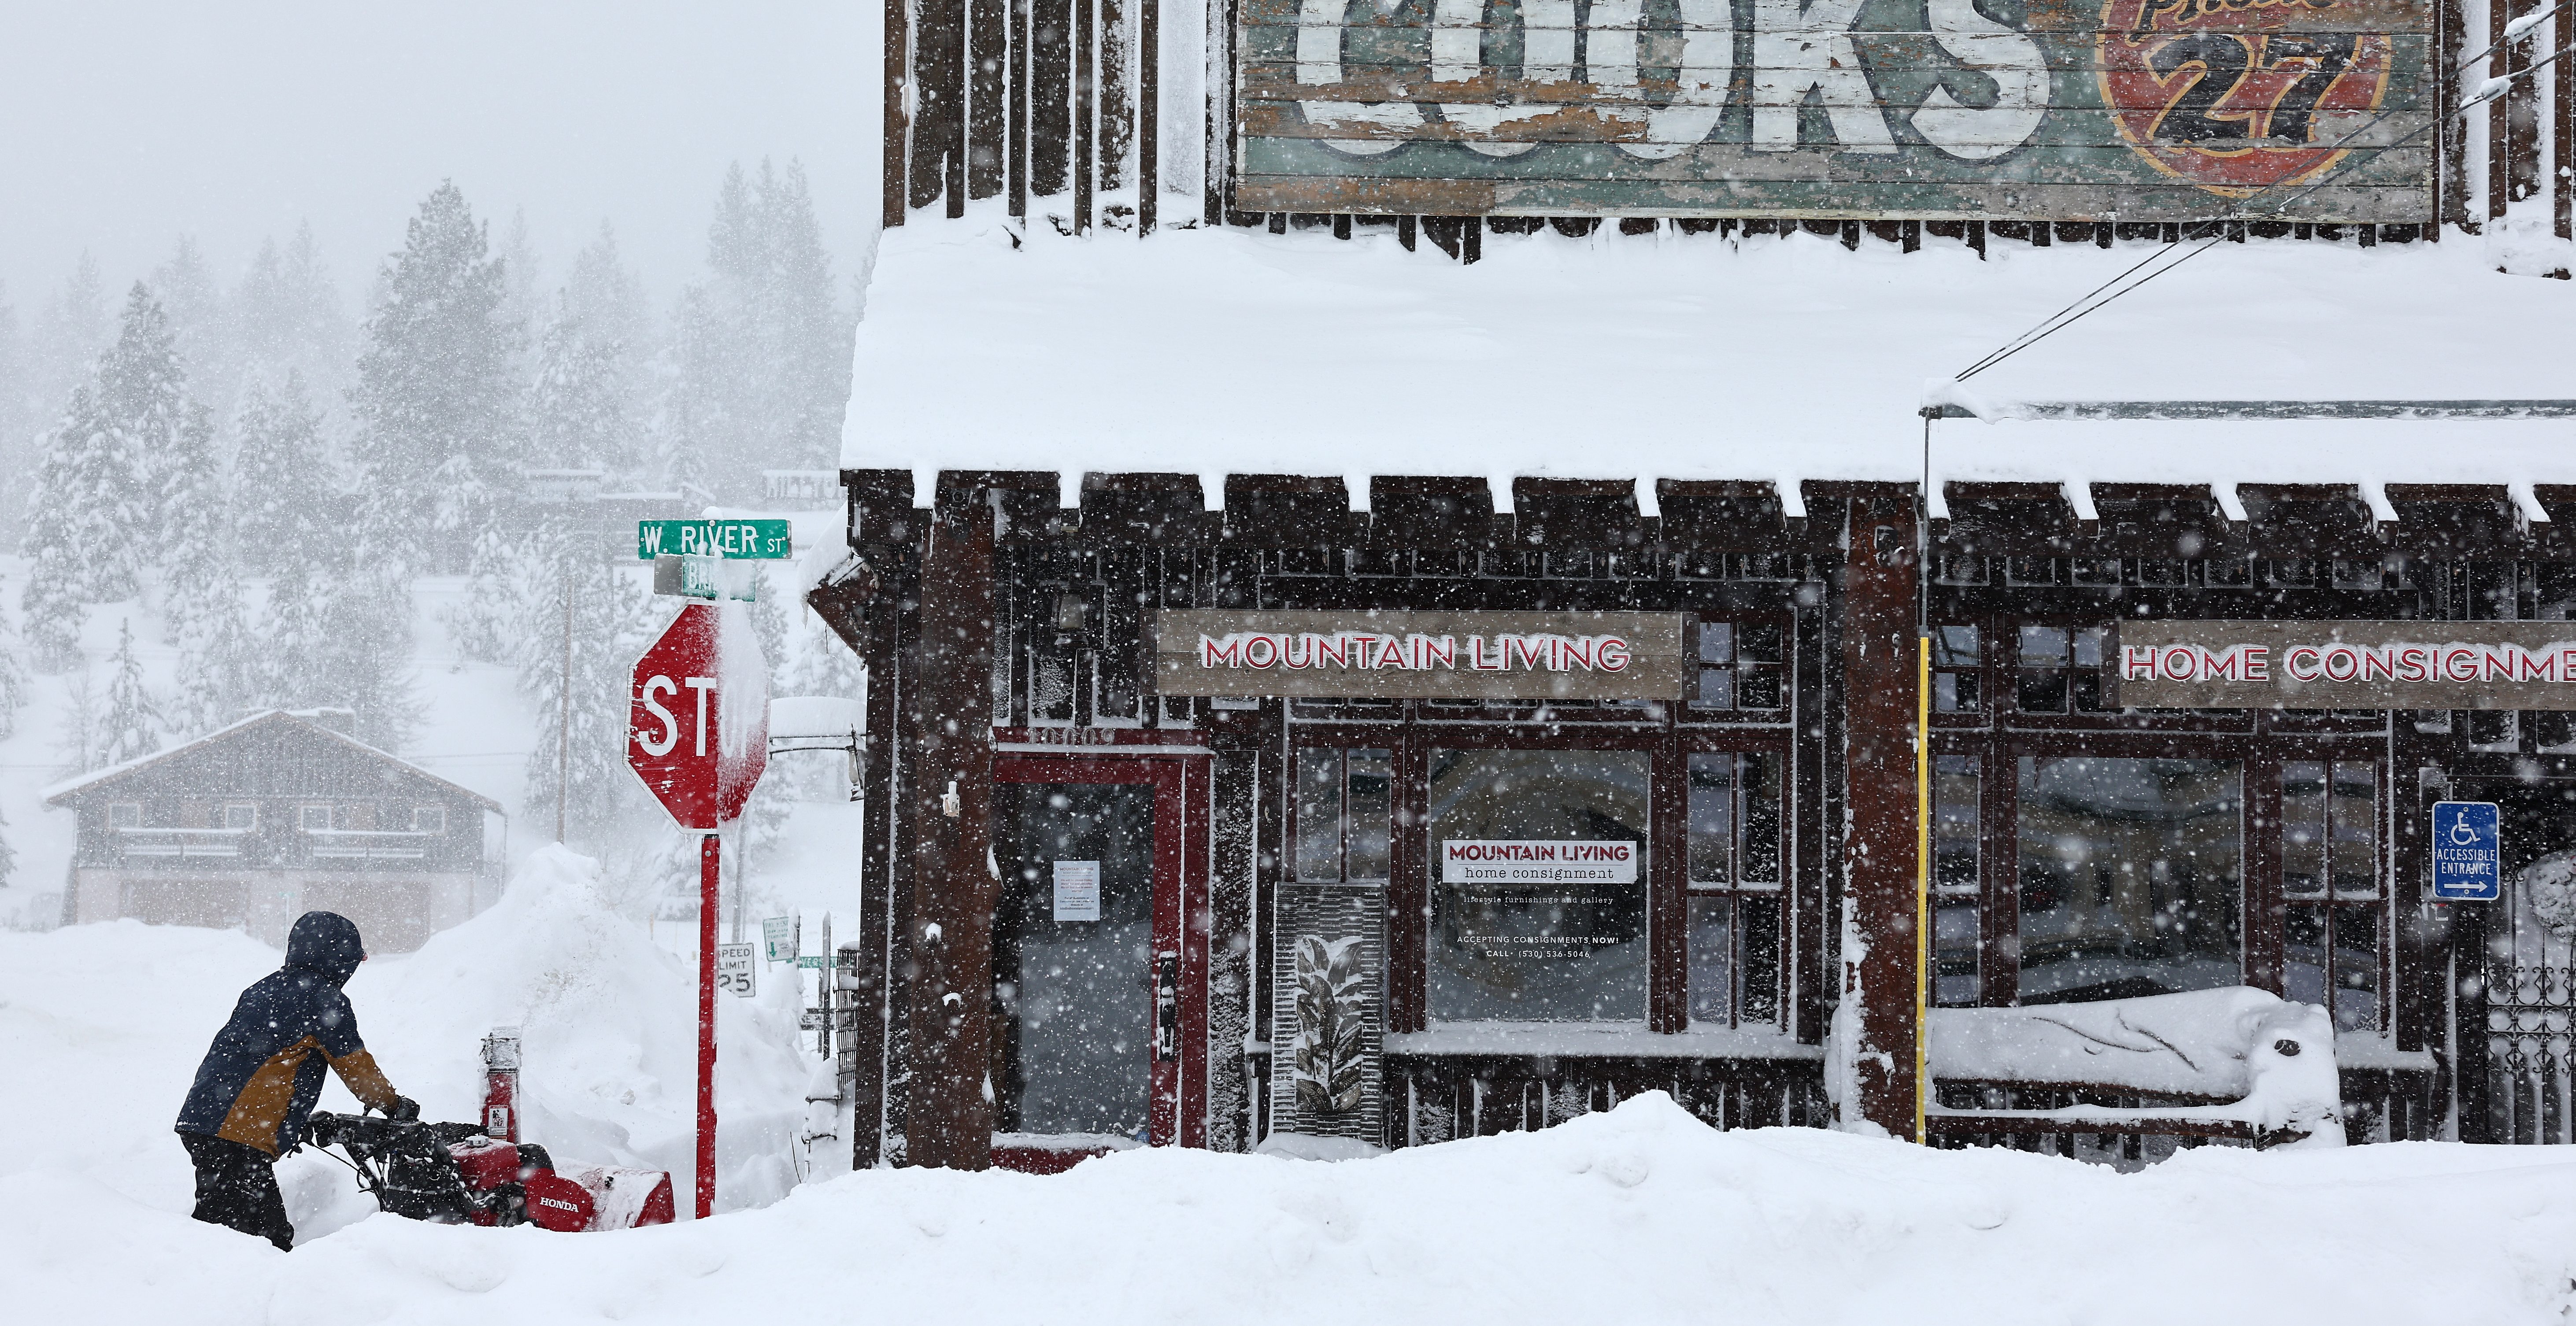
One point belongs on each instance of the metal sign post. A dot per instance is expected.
(697, 733)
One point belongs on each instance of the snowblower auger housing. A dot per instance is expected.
(452, 1174)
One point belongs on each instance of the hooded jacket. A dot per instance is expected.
(261, 1077)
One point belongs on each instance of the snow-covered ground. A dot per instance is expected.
(1640, 1215)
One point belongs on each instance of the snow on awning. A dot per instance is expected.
(1222, 351)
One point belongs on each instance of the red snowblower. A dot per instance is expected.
(462, 1173)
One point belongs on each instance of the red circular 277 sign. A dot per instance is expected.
(2237, 95)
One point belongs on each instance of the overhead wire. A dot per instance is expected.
(2095, 299)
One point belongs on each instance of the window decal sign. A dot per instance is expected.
(2342, 665)
(1485, 861)
(1420, 655)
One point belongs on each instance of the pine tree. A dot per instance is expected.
(223, 671)
(8, 856)
(188, 294)
(576, 417)
(291, 672)
(762, 359)
(94, 492)
(610, 618)
(196, 527)
(132, 726)
(13, 682)
(287, 315)
(73, 329)
(50, 605)
(17, 402)
(435, 403)
(282, 476)
(482, 626)
(364, 653)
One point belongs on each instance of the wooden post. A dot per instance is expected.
(1086, 97)
(2562, 138)
(1880, 843)
(988, 55)
(949, 1121)
(1015, 185)
(865, 613)
(898, 40)
(1050, 95)
(1149, 111)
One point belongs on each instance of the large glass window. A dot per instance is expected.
(1956, 923)
(2330, 881)
(2131, 874)
(1538, 876)
(1734, 912)
(1345, 811)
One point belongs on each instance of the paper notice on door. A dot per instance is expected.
(1077, 890)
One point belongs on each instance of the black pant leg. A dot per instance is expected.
(237, 1188)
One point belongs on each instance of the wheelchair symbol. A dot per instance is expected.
(2462, 835)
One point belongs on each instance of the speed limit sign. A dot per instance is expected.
(735, 965)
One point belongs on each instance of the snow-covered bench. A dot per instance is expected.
(2234, 1062)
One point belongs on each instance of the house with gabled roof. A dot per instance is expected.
(256, 823)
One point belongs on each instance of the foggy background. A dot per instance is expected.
(134, 122)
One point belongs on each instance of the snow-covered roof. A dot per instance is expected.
(65, 789)
(1215, 351)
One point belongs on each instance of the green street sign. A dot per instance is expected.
(760, 540)
(814, 960)
(706, 578)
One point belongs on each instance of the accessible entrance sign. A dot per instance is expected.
(2468, 852)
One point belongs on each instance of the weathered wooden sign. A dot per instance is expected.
(2079, 110)
(2343, 665)
(1420, 655)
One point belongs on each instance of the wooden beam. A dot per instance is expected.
(1879, 848)
(898, 68)
(988, 59)
(1086, 99)
(1149, 111)
(949, 1122)
(862, 612)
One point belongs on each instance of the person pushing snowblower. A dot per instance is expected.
(255, 1092)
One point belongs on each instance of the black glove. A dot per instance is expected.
(404, 1110)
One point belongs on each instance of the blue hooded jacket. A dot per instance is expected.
(263, 1074)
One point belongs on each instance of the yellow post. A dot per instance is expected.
(1922, 878)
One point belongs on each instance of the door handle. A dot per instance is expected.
(1167, 1007)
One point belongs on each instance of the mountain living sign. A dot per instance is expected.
(2074, 110)
(2343, 665)
(1420, 655)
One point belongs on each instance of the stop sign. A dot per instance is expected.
(697, 730)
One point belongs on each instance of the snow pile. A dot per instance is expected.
(1216, 351)
(608, 1027)
(1640, 1215)
(2272, 1061)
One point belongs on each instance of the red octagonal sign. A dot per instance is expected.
(698, 726)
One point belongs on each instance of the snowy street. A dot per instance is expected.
(1640, 1215)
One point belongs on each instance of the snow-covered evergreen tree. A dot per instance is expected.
(132, 725)
(13, 681)
(196, 527)
(287, 314)
(291, 669)
(762, 350)
(50, 606)
(577, 415)
(282, 477)
(364, 654)
(199, 327)
(223, 671)
(95, 488)
(483, 626)
(612, 618)
(69, 334)
(436, 401)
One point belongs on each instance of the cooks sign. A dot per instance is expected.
(2344, 665)
(1421, 655)
(2076, 110)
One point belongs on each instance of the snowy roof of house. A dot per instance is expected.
(1215, 351)
(70, 787)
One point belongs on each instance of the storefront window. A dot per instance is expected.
(1734, 807)
(2058, 667)
(2330, 877)
(1955, 920)
(1740, 665)
(1954, 669)
(1538, 877)
(1345, 808)
(2131, 872)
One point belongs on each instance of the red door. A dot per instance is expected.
(1099, 956)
